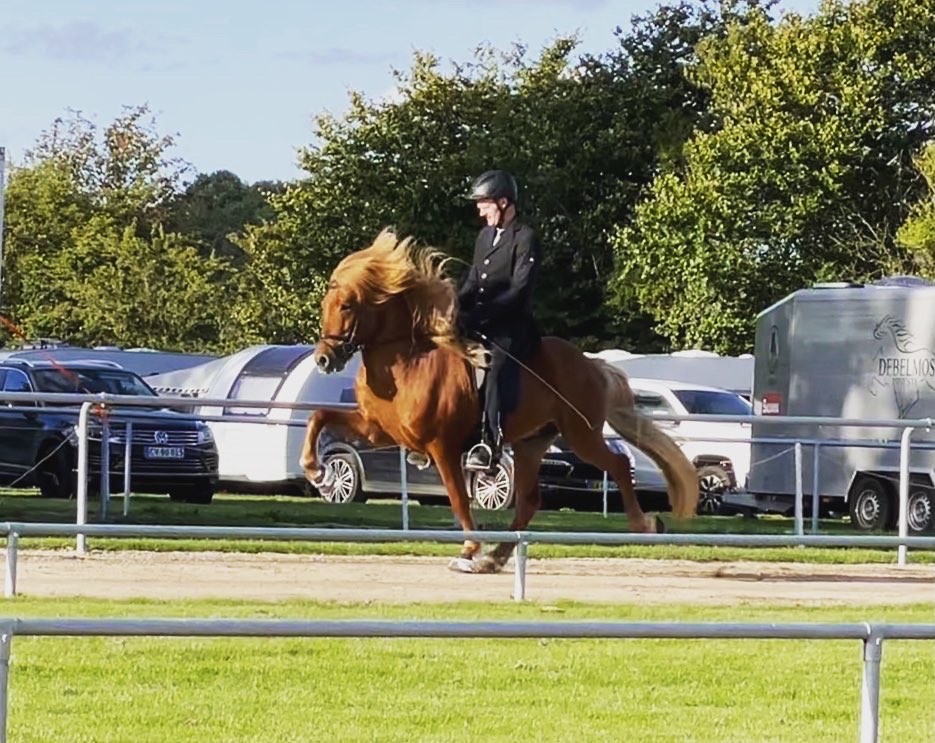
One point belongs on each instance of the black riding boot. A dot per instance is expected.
(486, 455)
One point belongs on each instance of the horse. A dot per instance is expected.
(416, 388)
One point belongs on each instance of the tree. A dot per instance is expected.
(86, 256)
(157, 292)
(583, 135)
(218, 205)
(918, 231)
(802, 174)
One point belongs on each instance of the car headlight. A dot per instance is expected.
(205, 435)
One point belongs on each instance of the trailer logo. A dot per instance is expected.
(901, 364)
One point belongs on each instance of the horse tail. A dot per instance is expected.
(642, 433)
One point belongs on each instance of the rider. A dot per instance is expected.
(495, 303)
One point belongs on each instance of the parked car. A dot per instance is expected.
(170, 452)
(363, 472)
(566, 480)
(722, 466)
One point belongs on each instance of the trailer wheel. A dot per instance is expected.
(919, 511)
(870, 504)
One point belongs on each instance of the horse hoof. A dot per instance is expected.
(660, 526)
(487, 564)
(462, 565)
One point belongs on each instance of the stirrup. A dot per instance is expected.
(483, 451)
(418, 460)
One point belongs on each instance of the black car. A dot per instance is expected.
(361, 472)
(170, 452)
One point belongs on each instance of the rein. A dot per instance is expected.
(558, 394)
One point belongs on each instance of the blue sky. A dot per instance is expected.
(240, 81)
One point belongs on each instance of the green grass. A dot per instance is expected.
(152, 689)
(285, 511)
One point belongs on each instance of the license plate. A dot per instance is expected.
(164, 452)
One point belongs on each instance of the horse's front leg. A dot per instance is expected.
(448, 462)
(341, 422)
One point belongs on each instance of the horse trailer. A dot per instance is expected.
(853, 351)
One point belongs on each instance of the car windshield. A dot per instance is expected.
(713, 402)
(93, 381)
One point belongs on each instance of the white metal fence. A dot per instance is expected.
(522, 539)
(87, 403)
(870, 635)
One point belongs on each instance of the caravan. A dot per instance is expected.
(259, 456)
(849, 351)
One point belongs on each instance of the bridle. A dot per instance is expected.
(346, 344)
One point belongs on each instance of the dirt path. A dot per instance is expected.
(414, 579)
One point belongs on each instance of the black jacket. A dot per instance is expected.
(496, 297)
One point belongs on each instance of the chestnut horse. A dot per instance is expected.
(416, 388)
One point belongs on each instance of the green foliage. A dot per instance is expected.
(576, 132)
(803, 173)
(217, 206)
(712, 161)
(86, 257)
(918, 231)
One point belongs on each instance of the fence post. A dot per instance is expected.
(604, 489)
(902, 550)
(105, 468)
(870, 688)
(127, 454)
(6, 640)
(799, 494)
(815, 485)
(81, 544)
(519, 574)
(404, 483)
(9, 589)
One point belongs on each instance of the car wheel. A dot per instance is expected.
(55, 476)
(200, 495)
(342, 468)
(919, 511)
(492, 491)
(713, 482)
(869, 504)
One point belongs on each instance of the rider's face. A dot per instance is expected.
(487, 209)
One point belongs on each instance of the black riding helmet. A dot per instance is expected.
(494, 184)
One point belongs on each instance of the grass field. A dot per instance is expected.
(161, 689)
(283, 511)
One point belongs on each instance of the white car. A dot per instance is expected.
(719, 451)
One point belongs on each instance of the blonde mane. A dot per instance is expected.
(391, 267)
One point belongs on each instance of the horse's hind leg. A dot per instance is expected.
(527, 457)
(592, 447)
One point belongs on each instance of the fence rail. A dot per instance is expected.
(870, 635)
(87, 402)
(14, 530)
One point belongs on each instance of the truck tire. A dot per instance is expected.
(870, 503)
